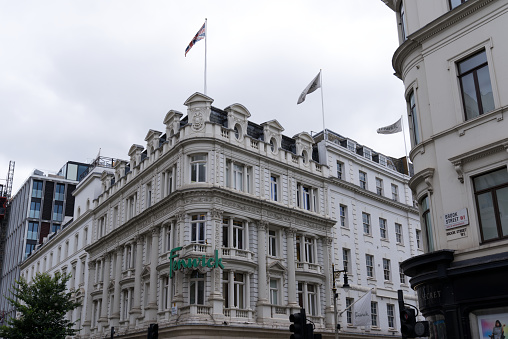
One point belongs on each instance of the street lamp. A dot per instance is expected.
(336, 295)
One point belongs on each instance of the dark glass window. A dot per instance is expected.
(491, 194)
(35, 209)
(55, 228)
(475, 85)
(413, 118)
(455, 3)
(427, 222)
(28, 249)
(37, 189)
(33, 228)
(59, 192)
(402, 14)
(58, 211)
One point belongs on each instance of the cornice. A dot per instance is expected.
(426, 176)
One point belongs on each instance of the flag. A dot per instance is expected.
(393, 128)
(362, 311)
(314, 85)
(200, 35)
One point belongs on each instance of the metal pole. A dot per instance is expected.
(334, 290)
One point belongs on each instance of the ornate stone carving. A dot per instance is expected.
(263, 225)
(216, 213)
(198, 120)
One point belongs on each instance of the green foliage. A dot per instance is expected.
(42, 305)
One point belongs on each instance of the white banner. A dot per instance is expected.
(362, 311)
(314, 85)
(393, 128)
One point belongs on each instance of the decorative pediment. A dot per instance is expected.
(135, 155)
(152, 141)
(276, 266)
(198, 111)
(172, 122)
(304, 142)
(272, 132)
(237, 119)
(146, 271)
(119, 169)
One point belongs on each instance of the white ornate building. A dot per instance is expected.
(257, 217)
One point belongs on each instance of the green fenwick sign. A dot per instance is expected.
(180, 264)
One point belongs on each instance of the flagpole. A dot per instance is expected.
(206, 38)
(322, 103)
(405, 147)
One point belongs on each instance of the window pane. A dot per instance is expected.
(502, 205)
(469, 94)
(485, 89)
(202, 172)
(472, 62)
(487, 216)
(492, 179)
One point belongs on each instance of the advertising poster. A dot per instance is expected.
(493, 326)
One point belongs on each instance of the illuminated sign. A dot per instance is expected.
(180, 264)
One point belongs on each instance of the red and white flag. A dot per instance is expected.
(200, 35)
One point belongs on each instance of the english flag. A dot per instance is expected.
(200, 35)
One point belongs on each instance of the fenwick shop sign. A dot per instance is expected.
(180, 264)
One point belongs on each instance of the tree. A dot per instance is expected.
(42, 305)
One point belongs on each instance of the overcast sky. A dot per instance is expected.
(76, 76)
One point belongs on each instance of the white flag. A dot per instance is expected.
(393, 128)
(362, 311)
(314, 85)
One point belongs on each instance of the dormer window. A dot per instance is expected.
(367, 153)
(351, 145)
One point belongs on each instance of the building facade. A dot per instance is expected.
(452, 61)
(220, 227)
(39, 209)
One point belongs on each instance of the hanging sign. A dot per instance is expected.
(204, 261)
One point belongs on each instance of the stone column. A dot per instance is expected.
(115, 317)
(151, 309)
(264, 310)
(89, 302)
(105, 286)
(327, 270)
(290, 240)
(138, 268)
(215, 274)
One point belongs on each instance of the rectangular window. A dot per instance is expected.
(35, 209)
(148, 202)
(382, 160)
(346, 259)
(382, 228)
(340, 168)
(28, 249)
(395, 193)
(60, 192)
(273, 187)
(165, 293)
(198, 229)
(366, 223)
(413, 118)
(238, 177)
(309, 250)
(239, 290)
(197, 288)
(402, 276)
(198, 168)
(304, 250)
(343, 215)
(418, 239)
(379, 186)
(311, 299)
(491, 195)
(398, 233)
(427, 222)
(455, 3)
(272, 243)
(369, 264)
(367, 153)
(58, 211)
(390, 311)
(306, 197)
(373, 313)
(363, 180)
(349, 312)
(37, 189)
(475, 85)
(351, 145)
(386, 269)
(274, 291)
(33, 230)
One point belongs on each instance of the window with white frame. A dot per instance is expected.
(198, 167)
(366, 223)
(351, 145)
(349, 310)
(307, 297)
(197, 288)
(274, 291)
(238, 282)
(402, 276)
(148, 197)
(382, 160)
(168, 181)
(379, 186)
(373, 313)
(369, 265)
(390, 311)
(363, 179)
(273, 243)
(367, 153)
(306, 197)
(305, 247)
(343, 216)
(386, 269)
(274, 187)
(239, 290)
(346, 259)
(413, 118)
(340, 169)
(398, 233)
(198, 228)
(382, 228)
(168, 244)
(130, 211)
(232, 233)
(395, 193)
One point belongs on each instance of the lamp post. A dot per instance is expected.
(336, 295)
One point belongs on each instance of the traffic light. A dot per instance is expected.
(422, 329)
(298, 325)
(407, 322)
(309, 331)
(153, 331)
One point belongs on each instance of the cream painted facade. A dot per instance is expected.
(214, 181)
